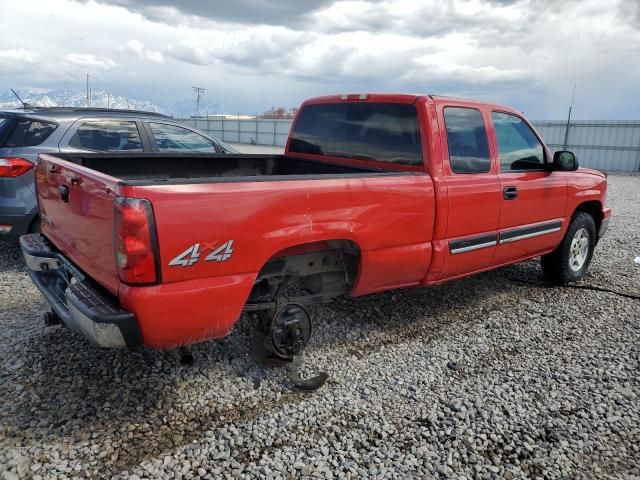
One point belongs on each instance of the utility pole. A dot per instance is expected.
(88, 100)
(199, 92)
(566, 131)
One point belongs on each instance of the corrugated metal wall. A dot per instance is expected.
(259, 132)
(605, 145)
(611, 146)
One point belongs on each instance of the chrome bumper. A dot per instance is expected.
(81, 305)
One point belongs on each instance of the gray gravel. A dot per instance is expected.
(488, 377)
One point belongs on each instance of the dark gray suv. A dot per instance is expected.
(26, 133)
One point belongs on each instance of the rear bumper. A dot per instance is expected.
(81, 305)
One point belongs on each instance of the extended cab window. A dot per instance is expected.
(170, 138)
(383, 132)
(23, 132)
(518, 146)
(467, 140)
(107, 136)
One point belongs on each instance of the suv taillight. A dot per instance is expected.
(14, 166)
(135, 241)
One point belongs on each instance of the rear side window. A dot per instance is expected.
(171, 138)
(518, 146)
(467, 140)
(382, 132)
(107, 136)
(15, 132)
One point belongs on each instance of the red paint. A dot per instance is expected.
(402, 225)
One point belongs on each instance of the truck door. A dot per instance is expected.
(533, 198)
(473, 190)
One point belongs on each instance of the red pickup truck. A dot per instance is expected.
(374, 192)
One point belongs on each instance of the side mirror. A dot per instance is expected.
(565, 161)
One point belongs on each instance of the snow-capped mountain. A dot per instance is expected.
(42, 97)
(74, 98)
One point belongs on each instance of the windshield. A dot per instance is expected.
(384, 132)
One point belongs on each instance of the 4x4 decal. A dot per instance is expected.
(192, 254)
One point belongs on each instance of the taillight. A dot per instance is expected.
(135, 241)
(14, 166)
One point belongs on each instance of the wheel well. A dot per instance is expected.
(593, 208)
(307, 273)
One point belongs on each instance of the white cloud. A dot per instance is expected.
(136, 48)
(191, 53)
(90, 60)
(252, 54)
(16, 60)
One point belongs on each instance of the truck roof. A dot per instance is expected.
(404, 98)
(374, 97)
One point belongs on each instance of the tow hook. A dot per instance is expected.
(279, 338)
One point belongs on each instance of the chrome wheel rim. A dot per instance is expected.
(579, 249)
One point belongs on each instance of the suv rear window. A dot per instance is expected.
(384, 132)
(22, 132)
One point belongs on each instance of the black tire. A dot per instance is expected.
(562, 265)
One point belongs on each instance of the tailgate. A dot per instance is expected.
(76, 206)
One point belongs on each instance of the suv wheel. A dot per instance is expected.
(569, 262)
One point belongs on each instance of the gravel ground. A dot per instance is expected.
(488, 377)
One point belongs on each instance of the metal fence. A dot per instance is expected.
(604, 145)
(255, 131)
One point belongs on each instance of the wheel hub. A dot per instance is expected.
(290, 330)
(579, 249)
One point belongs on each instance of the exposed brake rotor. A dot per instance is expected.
(290, 330)
(279, 341)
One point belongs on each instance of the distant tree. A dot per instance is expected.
(279, 113)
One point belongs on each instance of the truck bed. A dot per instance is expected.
(170, 168)
(263, 203)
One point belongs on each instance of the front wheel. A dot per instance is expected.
(569, 262)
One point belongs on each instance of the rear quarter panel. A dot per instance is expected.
(264, 218)
(389, 218)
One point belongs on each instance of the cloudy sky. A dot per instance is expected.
(254, 54)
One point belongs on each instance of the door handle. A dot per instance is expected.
(64, 193)
(510, 193)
